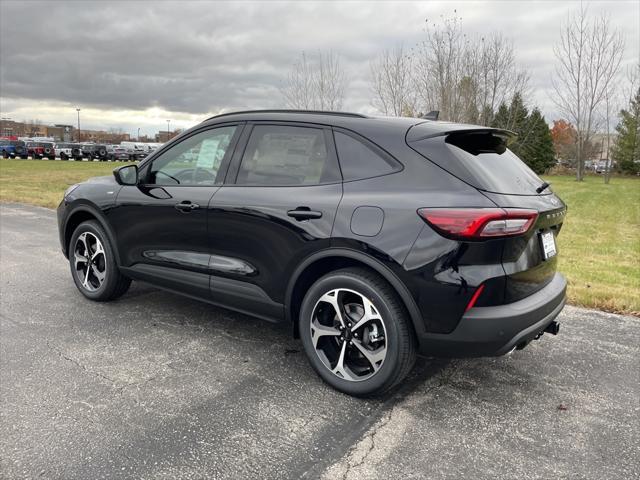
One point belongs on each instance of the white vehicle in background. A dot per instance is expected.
(152, 147)
(37, 139)
(136, 150)
(64, 150)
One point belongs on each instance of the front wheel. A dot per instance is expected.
(93, 266)
(356, 332)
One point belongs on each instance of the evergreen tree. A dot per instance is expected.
(534, 144)
(538, 151)
(501, 117)
(626, 151)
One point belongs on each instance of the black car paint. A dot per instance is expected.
(242, 250)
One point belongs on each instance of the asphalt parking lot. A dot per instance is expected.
(158, 386)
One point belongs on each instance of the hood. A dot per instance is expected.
(106, 180)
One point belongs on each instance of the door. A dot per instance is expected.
(276, 207)
(161, 224)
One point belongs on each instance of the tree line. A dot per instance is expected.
(477, 80)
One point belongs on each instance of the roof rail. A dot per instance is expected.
(308, 112)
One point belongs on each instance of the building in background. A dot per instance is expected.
(64, 133)
(60, 132)
(164, 136)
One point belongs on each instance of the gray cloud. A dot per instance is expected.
(199, 57)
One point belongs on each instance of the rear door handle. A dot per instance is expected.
(186, 206)
(304, 213)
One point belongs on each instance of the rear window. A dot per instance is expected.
(481, 159)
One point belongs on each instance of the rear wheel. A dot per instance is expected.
(356, 332)
(93, 266)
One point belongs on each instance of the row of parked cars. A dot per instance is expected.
(72, 151)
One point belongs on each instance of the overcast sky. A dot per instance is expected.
(137, 64)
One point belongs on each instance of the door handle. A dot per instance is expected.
(186, 206)
(304, 213)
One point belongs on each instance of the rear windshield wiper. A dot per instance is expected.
(543, 187)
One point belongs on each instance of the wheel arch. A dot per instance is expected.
(83, 213)
(325, 261)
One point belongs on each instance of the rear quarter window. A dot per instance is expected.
(360, 159)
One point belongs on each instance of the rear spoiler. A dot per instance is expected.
(456, 132)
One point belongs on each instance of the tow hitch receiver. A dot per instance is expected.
(553, 328)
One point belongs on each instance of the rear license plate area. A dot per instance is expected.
(548, 243)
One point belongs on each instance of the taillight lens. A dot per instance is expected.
(474, 298)
(479, 223)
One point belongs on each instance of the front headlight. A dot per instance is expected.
(70, 189)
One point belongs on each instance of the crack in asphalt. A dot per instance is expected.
(387, 418)
(82, 366)
(114, 383)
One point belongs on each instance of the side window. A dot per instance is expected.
(194, 161)
(359, 160)
(280, 155)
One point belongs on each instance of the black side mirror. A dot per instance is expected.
(126, 175)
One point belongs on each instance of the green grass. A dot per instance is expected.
(599, 245)
(43, 182)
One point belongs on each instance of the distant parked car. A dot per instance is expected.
(76, 151)
(116, 152)
(64, 150)
(20, 149)
(87, 150)
(39, 150)
(94, 151)
(12, 149)
(601, 166)
(49, 150)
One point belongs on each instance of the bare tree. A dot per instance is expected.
(392, 83)
(499, 77)
(631, 82)
(588, 55)
(329, 82)
(466, 78)
(607, 119)
(315, 84)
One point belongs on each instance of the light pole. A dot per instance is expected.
(78, 110)
(168, 122)
(138, 133)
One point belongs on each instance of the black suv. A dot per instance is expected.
(94, 152)
(375, 238)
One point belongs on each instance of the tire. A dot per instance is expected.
(390, 357)
(113, 284)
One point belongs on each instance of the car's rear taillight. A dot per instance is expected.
(479, 223)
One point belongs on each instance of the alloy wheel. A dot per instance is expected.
(89, 261)
(348, 334)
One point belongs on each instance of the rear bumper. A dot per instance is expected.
(494, 331)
